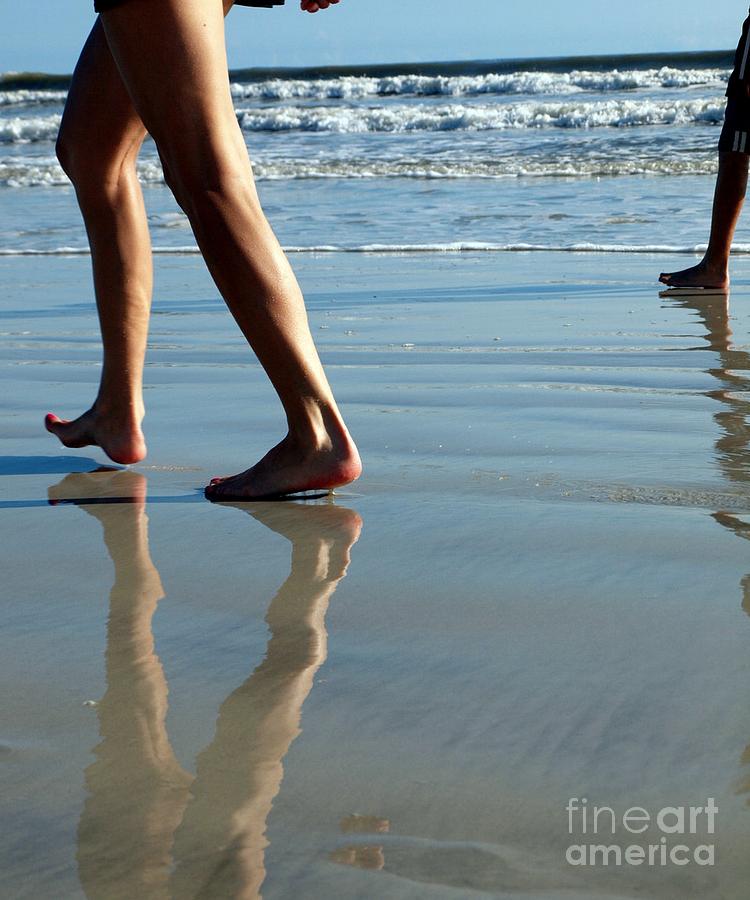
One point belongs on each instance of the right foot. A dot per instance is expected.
(291, 468)
(700, 276)
(120, 438)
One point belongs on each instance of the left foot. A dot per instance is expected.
(119, 436)
(290, 468)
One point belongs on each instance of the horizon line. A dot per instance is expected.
(402, 67)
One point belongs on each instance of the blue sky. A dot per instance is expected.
(46, 35)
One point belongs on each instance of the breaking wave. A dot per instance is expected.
(354, 87)
(46, 172)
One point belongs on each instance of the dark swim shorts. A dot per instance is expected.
(735, 135)
(100, 5)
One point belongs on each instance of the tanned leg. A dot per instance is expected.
(172, 57)
(100, 137)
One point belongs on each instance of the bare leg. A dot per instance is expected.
(713, 270)
(172, 58)
(100, 137)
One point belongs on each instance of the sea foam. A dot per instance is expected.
(358, 87)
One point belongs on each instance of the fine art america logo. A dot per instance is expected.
(604, 837)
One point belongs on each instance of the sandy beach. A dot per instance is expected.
(539, 590)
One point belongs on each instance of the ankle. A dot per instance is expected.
(130, 409)
(716, 264)
(319, 427)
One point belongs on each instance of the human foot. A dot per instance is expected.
(119, 436)
(701, 276)
(290, 468)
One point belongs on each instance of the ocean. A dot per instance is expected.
(614, 153)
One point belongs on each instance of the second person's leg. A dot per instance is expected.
(729, 196)
(731, 184)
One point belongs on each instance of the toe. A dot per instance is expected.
(213, 490)
(60, 428)
(215, 495)
(51, 421)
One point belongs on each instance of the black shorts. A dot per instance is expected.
(735, 135)
(100, 5)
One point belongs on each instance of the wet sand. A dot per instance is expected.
(539, 590)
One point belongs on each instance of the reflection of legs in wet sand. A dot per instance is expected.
(137, 790)
(741, 529)
(733, 377)
(362, 856)
(220, 846)
(733, 441)
(734, 433)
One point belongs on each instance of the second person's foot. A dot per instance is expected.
(700, 276)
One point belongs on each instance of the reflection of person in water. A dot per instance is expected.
(138, 793)
(137, 790)
(732, 450)
(221, 842)
(733, 376)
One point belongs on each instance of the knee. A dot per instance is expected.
(76, 155)
(203, 189)
(96, 175)
(199, 193)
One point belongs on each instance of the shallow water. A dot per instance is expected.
(548, 598)
(611, 151)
